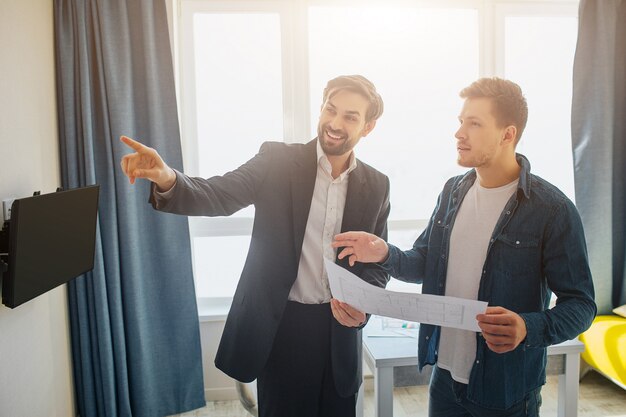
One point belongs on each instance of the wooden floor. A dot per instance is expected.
(598, 398)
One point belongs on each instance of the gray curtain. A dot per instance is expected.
(599, 143)
(134, 322)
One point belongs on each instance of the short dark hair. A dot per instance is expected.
(509, 104)
(360, 85)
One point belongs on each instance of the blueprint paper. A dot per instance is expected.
(438, 310)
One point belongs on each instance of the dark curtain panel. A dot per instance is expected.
(599, 143)
(134, 322)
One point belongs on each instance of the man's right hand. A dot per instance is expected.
(361, 246)
(147, 163)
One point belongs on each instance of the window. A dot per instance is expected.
(251, 71)
(538, 49)
(227, 112)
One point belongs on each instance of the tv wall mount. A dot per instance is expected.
(4, 248)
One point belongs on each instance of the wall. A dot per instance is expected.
(212, 314)
(35, 366)
(217, 385)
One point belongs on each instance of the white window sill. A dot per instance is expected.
(214, 308)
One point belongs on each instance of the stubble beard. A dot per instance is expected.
(340, 149)
(474, 162)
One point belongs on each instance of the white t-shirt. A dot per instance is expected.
(477, 217)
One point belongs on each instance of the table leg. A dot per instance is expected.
(383, 392)
(568, 387)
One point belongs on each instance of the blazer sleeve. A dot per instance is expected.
(373, 273)
(219, 195)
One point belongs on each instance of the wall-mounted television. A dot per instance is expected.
(49, 240)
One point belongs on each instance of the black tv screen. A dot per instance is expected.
(51, 240)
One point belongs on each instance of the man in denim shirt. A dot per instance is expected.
(502, 235)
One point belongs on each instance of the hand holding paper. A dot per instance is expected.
(502, 329)
(429, 309)
(346, 314)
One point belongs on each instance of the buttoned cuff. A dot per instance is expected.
(393, 257)
(534, 330)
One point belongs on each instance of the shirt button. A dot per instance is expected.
(438, 221)
(427, 337)
(517, 242)
(508, 212)
(477, 361)
(443, 256)
(484, 271)
(492, 240)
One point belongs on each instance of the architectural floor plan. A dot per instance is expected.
(429, 309)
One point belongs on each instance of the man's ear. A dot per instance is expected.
(510, 135)
(369, 126)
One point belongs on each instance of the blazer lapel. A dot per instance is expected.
(356, 200)
(303, 173)
(356, 204)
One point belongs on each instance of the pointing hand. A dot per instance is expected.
(146, 163)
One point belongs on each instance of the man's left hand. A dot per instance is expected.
(502, 329)
(346, 314)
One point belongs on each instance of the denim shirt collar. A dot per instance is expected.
(524, 176)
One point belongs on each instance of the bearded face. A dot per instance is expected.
(342, 122)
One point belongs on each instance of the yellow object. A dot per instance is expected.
(605, 347)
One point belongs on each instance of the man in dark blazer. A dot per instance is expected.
(284, 329)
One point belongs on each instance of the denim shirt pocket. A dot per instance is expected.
(519, 251)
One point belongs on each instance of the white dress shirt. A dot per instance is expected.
(324, 222)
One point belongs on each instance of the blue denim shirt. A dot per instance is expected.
(537, 247)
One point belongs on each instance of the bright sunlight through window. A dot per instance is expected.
(255, 71)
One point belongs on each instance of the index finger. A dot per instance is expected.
(137, 146)
(346, 236)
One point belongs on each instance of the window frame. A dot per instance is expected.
(297, 123)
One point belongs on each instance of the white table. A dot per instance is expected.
(382, 354)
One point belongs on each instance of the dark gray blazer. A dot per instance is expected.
(279, 181)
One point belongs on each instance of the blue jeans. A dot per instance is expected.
(448, 398)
